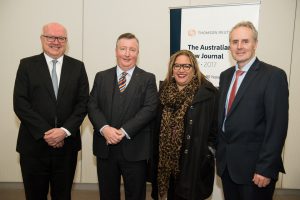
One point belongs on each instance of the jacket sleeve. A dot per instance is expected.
(276, 111)
(79, 109)
(214, 123)
(95, 113)
(22, 104)
(146, 112)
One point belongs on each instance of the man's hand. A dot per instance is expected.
(59, 145)
(112, 135)
(260, 180)
(55, 137)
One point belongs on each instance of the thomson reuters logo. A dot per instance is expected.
(192, 32)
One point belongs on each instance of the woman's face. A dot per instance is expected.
(183, 71)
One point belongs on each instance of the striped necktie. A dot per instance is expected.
(122, 82)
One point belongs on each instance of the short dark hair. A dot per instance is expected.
(127, 36)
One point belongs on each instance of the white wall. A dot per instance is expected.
(21, 25)
(292, 149)
(93, 27)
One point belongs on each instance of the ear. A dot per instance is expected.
(256, 45)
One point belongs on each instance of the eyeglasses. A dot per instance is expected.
(185, 67)
(53, 38)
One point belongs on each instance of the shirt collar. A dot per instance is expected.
(120, 71)
(49, 59)
(247, 66)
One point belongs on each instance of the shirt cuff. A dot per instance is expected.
(66, 131)
(127, 136)
(101, 129)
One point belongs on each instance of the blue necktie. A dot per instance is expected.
(54, 78)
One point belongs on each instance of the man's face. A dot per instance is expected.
(127, 51)
(54, 40)
(242, 45)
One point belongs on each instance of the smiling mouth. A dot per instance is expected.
(181, 75)
(54, 47)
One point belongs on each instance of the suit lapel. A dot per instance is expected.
(131, 89)
(45, 75)
(110, 86)
(249, 78)
(223, 95)
(66, 72)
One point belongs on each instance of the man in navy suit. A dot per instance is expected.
(50, 98)
(253, 121)
(122, 104)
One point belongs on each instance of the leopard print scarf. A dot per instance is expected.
(175, 104)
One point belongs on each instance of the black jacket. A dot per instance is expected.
(38, 109)
(139, 110)
(197, 161)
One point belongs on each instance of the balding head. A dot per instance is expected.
(54, 39)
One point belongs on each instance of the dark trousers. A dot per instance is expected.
(109, 176)
(40, 172)
(233, 191)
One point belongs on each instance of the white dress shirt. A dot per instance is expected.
(58, 72)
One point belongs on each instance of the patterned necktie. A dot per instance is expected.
(54, 78)
(122, 82)
(233, 89)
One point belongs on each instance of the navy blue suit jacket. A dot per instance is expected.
(256, 125)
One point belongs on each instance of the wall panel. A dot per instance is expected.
(291, 153)
(21, 24)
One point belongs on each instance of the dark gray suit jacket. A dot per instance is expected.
(256, 125)
(139, 107)
(38, 110)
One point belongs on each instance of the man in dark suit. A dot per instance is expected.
(122, 104)
(253, 121)
(50, 98)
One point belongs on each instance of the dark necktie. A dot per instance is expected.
(233, 89)
(122, 82)
(54, 78)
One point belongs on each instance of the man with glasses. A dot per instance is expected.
(50, 97)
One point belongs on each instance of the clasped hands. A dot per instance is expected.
(261, 181)
(55, 137)
(112, 135)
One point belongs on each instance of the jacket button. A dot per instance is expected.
(186, 151)
(191, 122)
(188, 137)
(192, 107)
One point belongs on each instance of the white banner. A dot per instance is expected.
(205, 32)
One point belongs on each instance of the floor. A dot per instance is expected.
(17, 193)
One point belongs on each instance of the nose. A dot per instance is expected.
(126, 52)
(181, 69)
(56, 41)
(239, 45)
